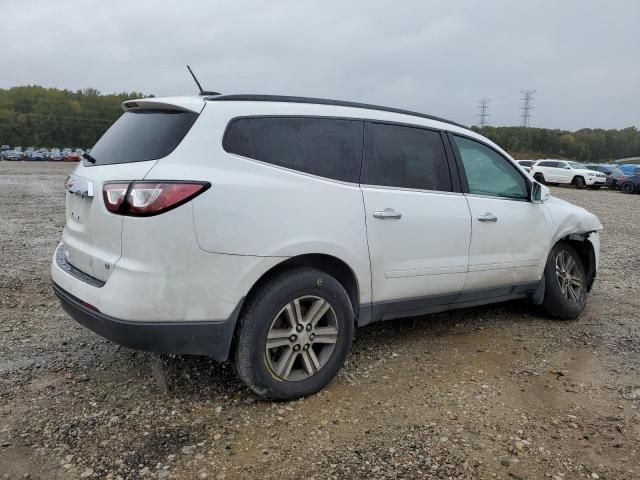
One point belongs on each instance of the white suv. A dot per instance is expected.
(565, 172)
(266, 229)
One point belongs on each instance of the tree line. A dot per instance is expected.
(585, 145)
(48, 117)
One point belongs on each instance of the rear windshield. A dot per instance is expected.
(142, 135)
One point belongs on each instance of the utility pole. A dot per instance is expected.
(483, 112)
(527, 101)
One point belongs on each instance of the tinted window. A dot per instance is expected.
(398, 156)
(547, 164)
(142, 135)
(488, 172)
(525, 163)
(327, 147)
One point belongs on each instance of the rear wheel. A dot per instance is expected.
(565, 283)
(627, 187)
(294, 335)
(579, 182)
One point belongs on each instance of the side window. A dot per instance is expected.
(546, 164)
(399, 156)
(488, 172)
(327, 147)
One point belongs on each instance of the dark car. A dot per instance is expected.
(37, 156)
(630, 184)
(613, 173)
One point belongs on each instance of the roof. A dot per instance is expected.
(323, 101)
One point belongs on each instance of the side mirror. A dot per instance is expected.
(567, 167)
(539, 193)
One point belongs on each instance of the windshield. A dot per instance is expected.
(142, 135)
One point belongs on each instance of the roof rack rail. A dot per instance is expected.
(324, 101)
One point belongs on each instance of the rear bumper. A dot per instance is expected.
(210, 338)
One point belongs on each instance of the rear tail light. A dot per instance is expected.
(146, 198)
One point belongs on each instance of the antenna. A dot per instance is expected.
(483, 107)
(202, 92)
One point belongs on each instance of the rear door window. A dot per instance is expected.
(407, 157)
(142, 135)
(326, 147)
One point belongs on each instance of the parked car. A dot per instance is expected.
(526, 164)
(37, 156)
(612, 172)
(567, 173)
(55, 155)
(13, 155)
(304, 219)
(630, 169)
(72, 157)
(4, 147)
(630, 184)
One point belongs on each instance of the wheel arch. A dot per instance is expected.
(586, 250)
(587, 253)
(329, 264)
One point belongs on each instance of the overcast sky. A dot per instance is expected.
(582, 57)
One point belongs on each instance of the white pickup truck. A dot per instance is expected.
(566, 172)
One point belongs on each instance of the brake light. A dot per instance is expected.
(146, 198)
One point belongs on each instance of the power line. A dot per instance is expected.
(527, 106)
(483, 112)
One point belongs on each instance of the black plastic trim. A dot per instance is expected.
(412, 307)
(210, 338)
(326, 101)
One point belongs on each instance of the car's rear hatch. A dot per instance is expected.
(149, 129)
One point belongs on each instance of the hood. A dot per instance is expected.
(570, 219)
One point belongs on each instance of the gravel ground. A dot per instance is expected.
(492, 392)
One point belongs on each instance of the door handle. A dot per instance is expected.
(387, 213)
(488, 217)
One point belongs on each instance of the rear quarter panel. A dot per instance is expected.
(257, 209)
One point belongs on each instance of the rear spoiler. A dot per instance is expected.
(179, 104)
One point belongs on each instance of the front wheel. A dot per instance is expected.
(294, 335)
(565, 293)
(579, 182)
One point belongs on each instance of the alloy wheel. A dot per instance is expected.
(568, 275)
(301, 338)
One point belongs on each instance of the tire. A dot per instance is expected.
(579, 182)
(538, 177)
(628, 187)
(312, 364)
(558, 302)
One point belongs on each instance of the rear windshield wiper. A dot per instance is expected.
(88, 158)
